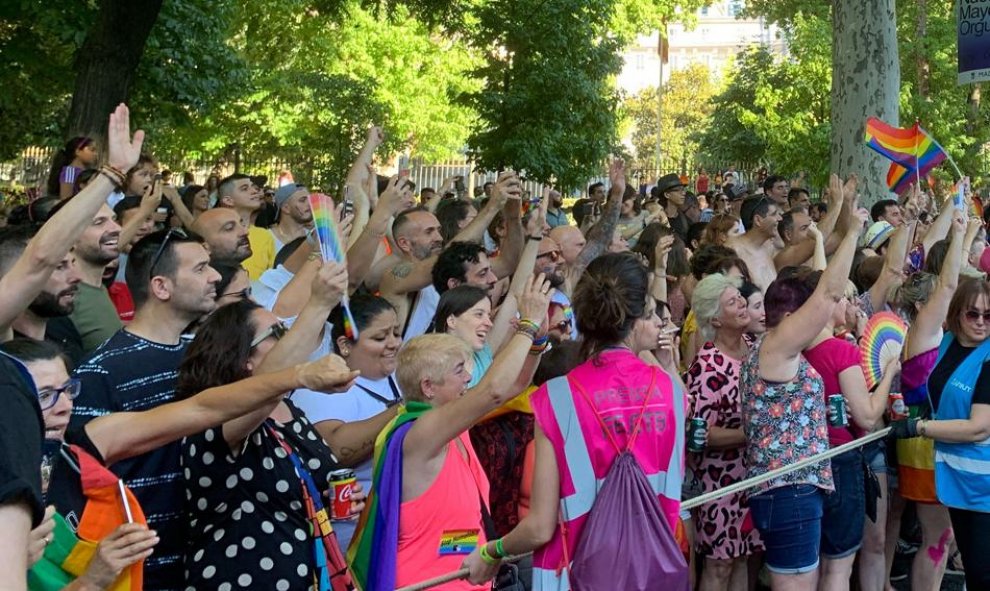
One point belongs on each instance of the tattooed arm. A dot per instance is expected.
(354, 442)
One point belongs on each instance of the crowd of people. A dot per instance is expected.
(196, 399)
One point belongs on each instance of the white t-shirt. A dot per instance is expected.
(364, 400)
(422, 313)
(266, 289)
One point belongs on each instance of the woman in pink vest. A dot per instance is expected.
(617, 318)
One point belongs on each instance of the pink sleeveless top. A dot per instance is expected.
(617, 386)
(439, 528)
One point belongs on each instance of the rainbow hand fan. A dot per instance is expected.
(882, 341)
(331, 247)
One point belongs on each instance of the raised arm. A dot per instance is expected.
(27, 277)
(328, 288)
(600, 235)
(396, 198)
(925, 332)
(940, 227)
(502, 325)
(150, 201)
(506, 187)
(783, 345)
(892, 274)
(123, 435)
(512, 245)
(435, 429)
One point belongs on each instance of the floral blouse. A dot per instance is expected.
(784, 422)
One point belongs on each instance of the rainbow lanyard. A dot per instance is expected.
(331, 567)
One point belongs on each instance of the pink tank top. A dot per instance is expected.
(439, 528)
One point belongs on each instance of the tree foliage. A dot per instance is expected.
(687, 109)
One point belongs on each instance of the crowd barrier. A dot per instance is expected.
(697, 501)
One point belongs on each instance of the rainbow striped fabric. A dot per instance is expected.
(912, 151)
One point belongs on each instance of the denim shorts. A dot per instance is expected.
(876, 456)
(790, 522)
(845, 508)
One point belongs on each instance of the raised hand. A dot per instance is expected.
(122, 149)
(662, 250)
(375, 136)
(397, 196)
(327, 374)
(617, 176)
(507, 187)
(330, 284)
(534, 301)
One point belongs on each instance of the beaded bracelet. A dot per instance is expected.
(488, 558)
(114, 175)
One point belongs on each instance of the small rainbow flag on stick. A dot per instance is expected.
(331, 247)
(913, 153)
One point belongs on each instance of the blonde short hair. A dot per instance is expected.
(428, 357)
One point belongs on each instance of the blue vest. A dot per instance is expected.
(962, 470)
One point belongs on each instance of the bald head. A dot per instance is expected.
(570, 240)
(225, 234)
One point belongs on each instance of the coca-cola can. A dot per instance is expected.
(898, 410)
(342, 485)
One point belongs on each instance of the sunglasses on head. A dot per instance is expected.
(48, 397)
(277, 331)
(975, 315)
(161, 248)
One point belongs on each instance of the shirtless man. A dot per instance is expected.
(760, 243)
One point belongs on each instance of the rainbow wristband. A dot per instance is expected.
(488, 558)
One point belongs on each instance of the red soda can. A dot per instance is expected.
(898, 410)
(342, 485)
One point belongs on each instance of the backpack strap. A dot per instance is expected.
(639, 420)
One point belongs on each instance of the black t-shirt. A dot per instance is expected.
(65, 489)
(22, 430)
(953, 357)
(63, 333)
(680, 225)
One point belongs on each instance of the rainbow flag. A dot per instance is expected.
(899, 178)
(69, 554)
(911, 147)
(331, 247)
(375, 546)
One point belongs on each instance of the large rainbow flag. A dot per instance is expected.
(912, 151)
(375, 545)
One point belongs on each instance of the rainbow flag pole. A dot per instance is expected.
(332, 247)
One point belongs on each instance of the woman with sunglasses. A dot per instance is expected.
(958, 418)
(117, 436)
(256, 484)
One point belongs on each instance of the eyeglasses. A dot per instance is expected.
(242, 294)
(277, 331)
(161, 249)
(48, 397)
(974, 315)
(553, 254)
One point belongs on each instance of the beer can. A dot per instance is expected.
(898, 410)
(697, 435)
(342, 485)
(837, 411)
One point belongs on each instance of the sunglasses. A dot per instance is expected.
(975, 315)
(562, 326)
(553, 254)
(161, 249)
(48, 397)
(242, 294)
(277, 331)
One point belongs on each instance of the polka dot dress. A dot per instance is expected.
(247, 521)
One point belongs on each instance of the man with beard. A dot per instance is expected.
(94, 314)
(246, 199)
(407, 285)
(46, 316)
(294, 214)
(555, 213)
(463, 263)
(225, 234)
(173, 285)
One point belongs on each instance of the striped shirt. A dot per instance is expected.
(128, 373)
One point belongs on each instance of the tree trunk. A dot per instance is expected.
(106, 63)
(921, 47)
(866, 80)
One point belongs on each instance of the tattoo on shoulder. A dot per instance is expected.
(401, 270)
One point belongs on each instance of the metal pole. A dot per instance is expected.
(660, 42)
